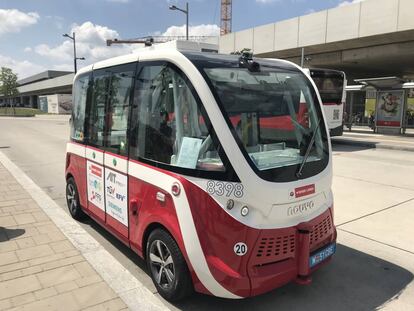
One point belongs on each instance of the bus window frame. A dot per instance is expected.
(229, 174)
(86, 105)
(111, 70)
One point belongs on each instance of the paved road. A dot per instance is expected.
(374, 211)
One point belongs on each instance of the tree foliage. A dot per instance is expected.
(8, 83)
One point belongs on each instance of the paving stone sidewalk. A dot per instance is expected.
(40, 269)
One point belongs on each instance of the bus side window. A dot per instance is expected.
(118, 111)
(80, 93)
(168, 126)
(96, 111)
(154, 129)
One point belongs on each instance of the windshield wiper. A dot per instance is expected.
(312, 141)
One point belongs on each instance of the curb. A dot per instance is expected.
(371, 145)
(17, 116)
(132, 292)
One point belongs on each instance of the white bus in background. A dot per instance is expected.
(331, 85)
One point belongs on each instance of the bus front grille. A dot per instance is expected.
(275, 248)
(320, 232)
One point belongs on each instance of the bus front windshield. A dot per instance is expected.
(275, 116)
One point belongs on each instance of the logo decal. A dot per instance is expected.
(304, 191)
(300, 208)
(111, 177)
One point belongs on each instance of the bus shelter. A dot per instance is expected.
(386, 105)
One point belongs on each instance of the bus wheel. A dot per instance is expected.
(167, 266)
(72, 199)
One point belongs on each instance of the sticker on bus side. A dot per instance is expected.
(116, 195)
(95, 184)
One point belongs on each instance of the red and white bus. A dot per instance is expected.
(332, 88)
(172, 152)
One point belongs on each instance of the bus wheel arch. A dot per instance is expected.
(169, 262)
(72, 198)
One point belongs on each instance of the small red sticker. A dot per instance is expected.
(96, 170)
(304, 191)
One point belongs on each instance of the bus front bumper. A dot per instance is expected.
(287, 259)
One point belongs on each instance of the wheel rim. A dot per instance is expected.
(162, 264)
(71, 198)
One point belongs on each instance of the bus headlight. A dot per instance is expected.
(244, 211)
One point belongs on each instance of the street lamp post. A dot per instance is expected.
(186, 12)
(73, 38)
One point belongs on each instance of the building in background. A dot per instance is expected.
(367, 40)
(51, 85)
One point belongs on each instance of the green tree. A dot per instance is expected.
(8, 85)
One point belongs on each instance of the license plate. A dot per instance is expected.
(322, 255)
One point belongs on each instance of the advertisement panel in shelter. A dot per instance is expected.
(390, 105)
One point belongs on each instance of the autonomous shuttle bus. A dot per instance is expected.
(216, 169)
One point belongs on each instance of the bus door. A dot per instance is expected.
(151, 139)
(111, 106)
(95, 120)
(167, 133)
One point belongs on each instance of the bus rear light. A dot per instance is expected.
(175, 189)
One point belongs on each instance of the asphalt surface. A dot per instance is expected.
(379, 141)
(374, 211)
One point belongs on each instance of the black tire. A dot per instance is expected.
(175, 281)
(72, 200)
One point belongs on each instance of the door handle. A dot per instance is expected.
(133, 205)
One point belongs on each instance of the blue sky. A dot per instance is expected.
(31, 30)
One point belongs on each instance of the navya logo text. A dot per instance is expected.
(300, 208)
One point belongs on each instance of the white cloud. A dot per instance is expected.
(198, 30)
(349, 2)
(27, 49)
(266, 1)
(23, 68)
(12, 20)
(90, 43)
(58, 21)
